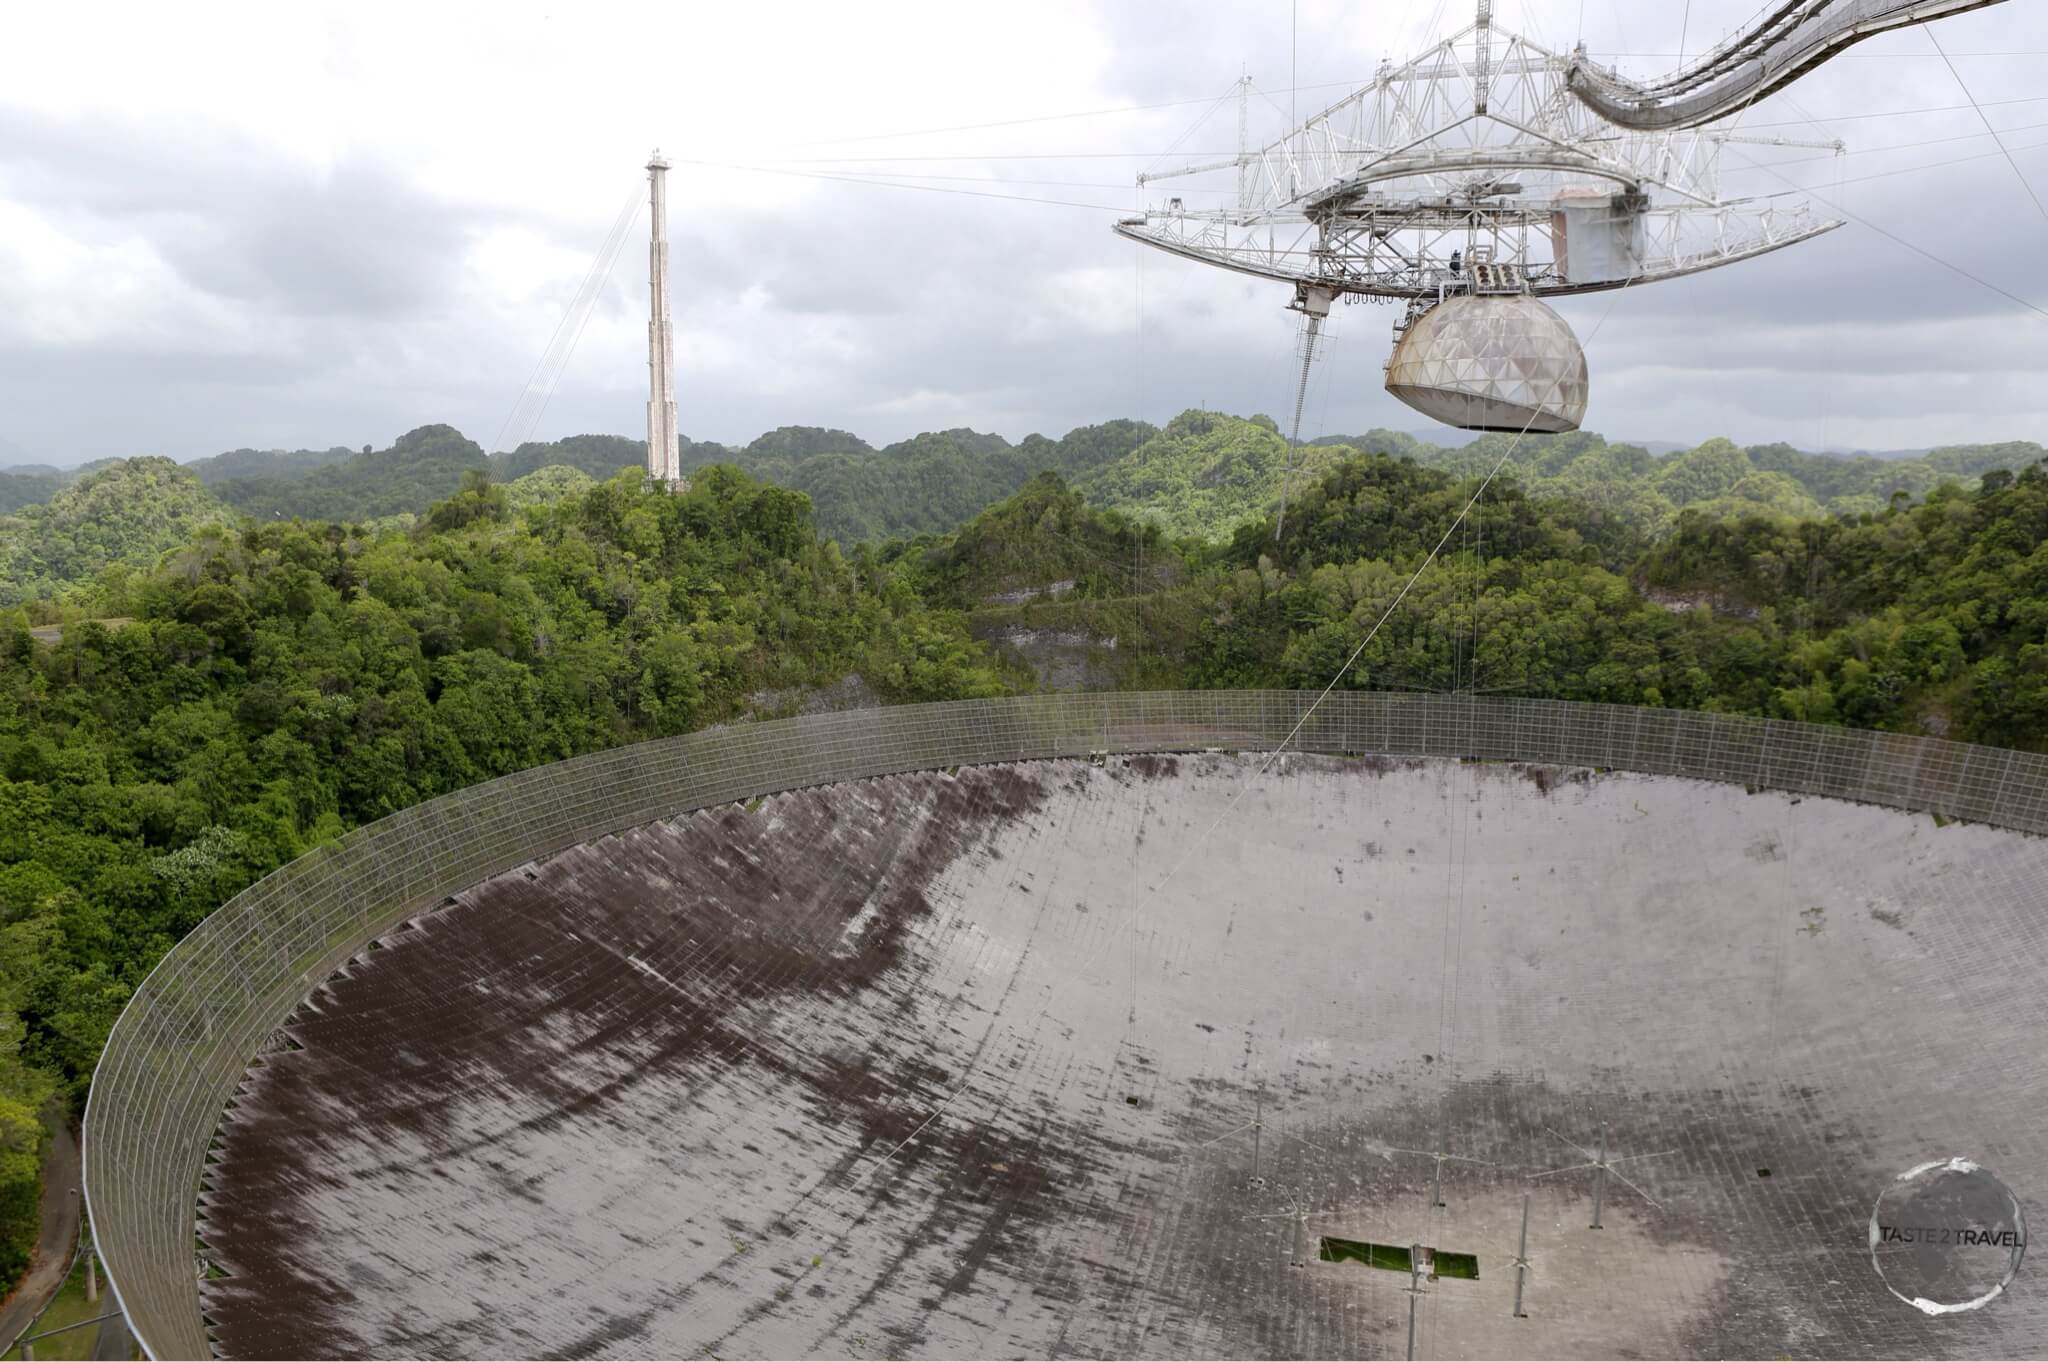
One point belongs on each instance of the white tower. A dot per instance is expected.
(664, 459)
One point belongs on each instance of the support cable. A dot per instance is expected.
(1841, 179)
(1901, 113)
(1311, 328)
(2021, 174)
(854, 178)
(762, 164)
(1406, 588)
(1138, 358)
(1186, 133)
(1312, 87)
(888, 178)
(1894, 237)
(1948, 164)
(540, 385)
(1847, 152)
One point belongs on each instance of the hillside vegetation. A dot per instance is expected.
(599, 456)
(266, 463)
(1931, 617)
(1644, 493)
(421, 467)
(1921, 618)
(21, 487)
(1205, 474)
(923, 485)
(1925, 618)
(1043, 537)
(127, 514)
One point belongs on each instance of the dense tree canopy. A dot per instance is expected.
(1920, 618)
(422, 466)
(1044, 536)
(1205, 473)
(797, 443)
(1930, 615)
(1642, 494)
(128, 513)
(925, 485)
(266, 463)
(599, 456)
(21, 487)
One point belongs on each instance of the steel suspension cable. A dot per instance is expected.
(2020, 174)
(1402, 595)
(540, 385)
(1312, 326)
(1896, 239)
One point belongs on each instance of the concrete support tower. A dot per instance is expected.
(664, 459)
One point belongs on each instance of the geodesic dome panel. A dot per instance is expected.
(1492, 363)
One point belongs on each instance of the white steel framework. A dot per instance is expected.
(1475, 151)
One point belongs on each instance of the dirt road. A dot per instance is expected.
(47, 1270)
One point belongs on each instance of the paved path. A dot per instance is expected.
(113, 1343)
(52, 1260)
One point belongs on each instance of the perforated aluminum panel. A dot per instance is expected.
(1492, 362)
(185, 1042)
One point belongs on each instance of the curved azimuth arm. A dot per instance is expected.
(1787, 40)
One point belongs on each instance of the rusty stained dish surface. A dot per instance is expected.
(932, 1065)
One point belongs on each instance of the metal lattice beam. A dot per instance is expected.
(1474, 149)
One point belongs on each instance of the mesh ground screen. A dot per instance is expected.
(1079, 1058)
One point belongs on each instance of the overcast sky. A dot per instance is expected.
(306, 226)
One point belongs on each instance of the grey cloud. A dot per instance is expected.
(35, 366)
(245, 224)
(353, 269)
(357, 243)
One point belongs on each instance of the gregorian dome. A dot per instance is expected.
(1491, 362)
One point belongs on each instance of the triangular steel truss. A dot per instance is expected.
(1474, 151)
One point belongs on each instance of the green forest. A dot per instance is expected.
(1926, 617)
(1201, 476)
(208, 669)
